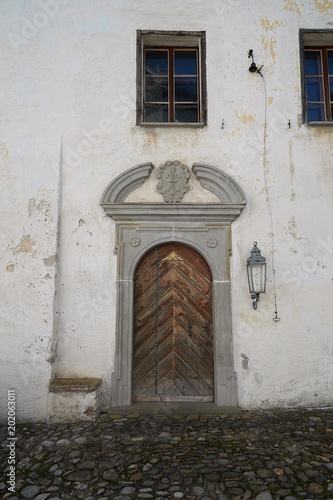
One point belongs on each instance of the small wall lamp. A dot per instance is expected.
(256, 274)
(253, 68)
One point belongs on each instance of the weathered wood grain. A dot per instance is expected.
(173, 338)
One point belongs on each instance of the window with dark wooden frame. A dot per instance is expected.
(317, 75)
(171, 82)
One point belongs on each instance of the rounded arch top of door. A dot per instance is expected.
(173, 348)
(201, 257)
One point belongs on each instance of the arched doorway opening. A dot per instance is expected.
(173, 347)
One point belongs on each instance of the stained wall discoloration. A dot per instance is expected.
(245, 362)
(50, 261)
(292, 173)
(245, 118)
(32, 206)
(4, 151)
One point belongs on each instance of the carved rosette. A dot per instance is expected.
(135, 242)
(173, 182)
(211, 242)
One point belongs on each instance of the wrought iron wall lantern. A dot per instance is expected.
(256, 274)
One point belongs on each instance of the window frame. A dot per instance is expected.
(171, 41)
(317, 40)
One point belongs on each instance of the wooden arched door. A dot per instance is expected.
(173, 357)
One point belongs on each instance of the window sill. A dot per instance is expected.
(320, 124)
(165, 124)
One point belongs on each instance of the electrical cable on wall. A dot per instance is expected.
(253, 69)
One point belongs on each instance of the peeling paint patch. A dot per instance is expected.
(297, 65)
(10, 268)
(245, 118)
(269, 45)
(323, 6)
(291, 5)
(49, 261)
(270, 100)
(25, 245)
(269, 41)
(245, 362)
(47, 277)
(270, 26)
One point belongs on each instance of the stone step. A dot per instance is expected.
(75, 399)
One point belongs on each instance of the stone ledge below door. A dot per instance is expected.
(75, 399)
(172, 409)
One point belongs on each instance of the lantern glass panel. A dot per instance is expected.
(257, 278)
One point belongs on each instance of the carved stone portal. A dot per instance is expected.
(173, 183)
(192, 224)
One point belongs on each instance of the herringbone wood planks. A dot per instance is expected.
(173, 337)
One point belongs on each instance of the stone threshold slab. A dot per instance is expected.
(162, 408)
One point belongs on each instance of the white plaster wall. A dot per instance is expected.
(68, 106)
(29, 213)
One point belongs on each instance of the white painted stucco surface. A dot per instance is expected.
(68, 128)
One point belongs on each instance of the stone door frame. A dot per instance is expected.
(206, 227)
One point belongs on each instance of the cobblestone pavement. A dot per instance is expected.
(252, 455)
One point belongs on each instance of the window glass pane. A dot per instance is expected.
(156, 62)
(312, 62)
(186, 89)
(331, 88)
(186, 113)
(156, 89)
(314, 88)
(315, 112)
(330, 61)
(185, 62)
(156, 113)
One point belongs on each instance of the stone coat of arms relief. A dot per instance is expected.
(173, 182)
